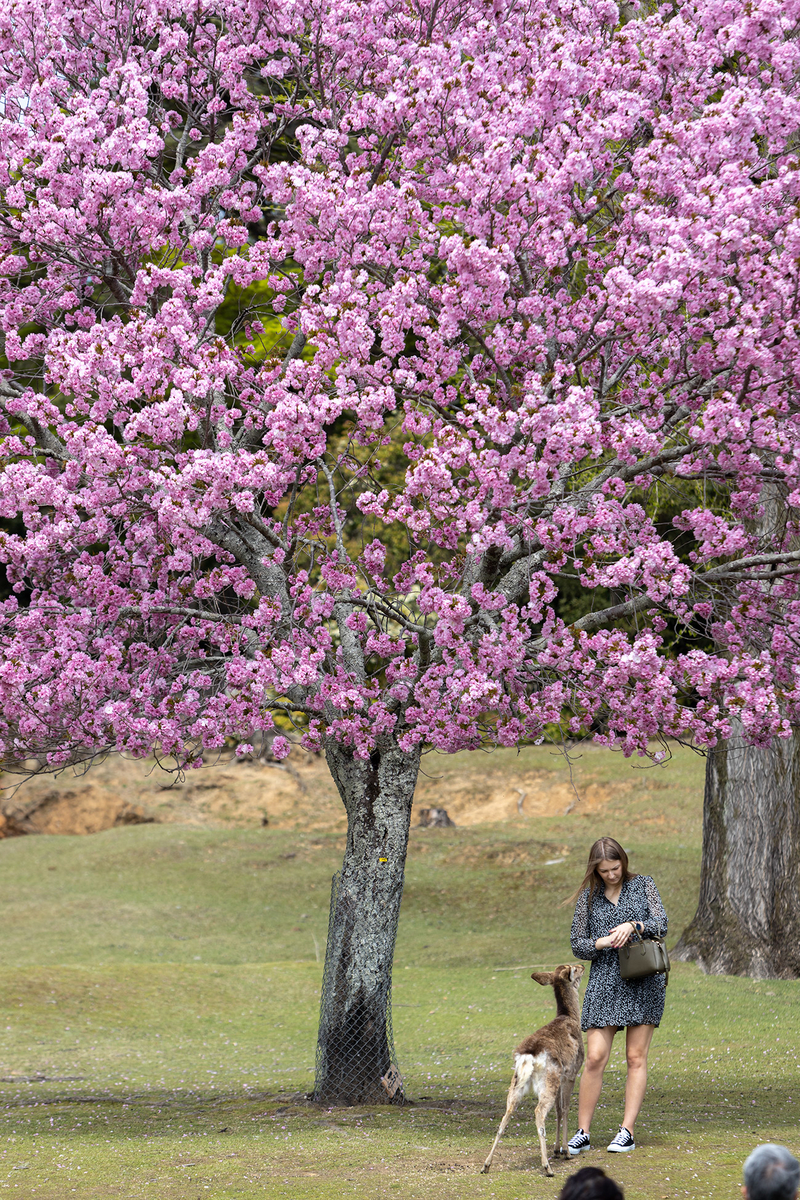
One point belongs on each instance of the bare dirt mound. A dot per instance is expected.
(123, 791)
(297, 794)
(475, 801)
(86, 809)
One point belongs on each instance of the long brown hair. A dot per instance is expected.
(605, 848)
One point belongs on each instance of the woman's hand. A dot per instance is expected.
(620, 935)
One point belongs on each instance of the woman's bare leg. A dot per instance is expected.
(598, 1049)
(637, 1045)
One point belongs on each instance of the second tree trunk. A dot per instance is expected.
(748, 916)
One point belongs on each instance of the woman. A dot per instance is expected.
(612, 903)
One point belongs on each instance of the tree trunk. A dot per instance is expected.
(354, 1061)
(748, 917)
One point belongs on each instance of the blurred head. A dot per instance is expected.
(771, 1173)
(591, 1183)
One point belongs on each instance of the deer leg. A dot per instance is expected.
(546, 1099)
(514, 1097)
(558, 1149)
(566, 1093)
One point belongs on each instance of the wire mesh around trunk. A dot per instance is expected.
(356, 1061)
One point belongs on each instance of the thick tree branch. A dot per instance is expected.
(604, 616)
(732, 570)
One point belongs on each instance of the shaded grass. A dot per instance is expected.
(159, 995)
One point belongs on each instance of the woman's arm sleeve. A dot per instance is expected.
(580, 938)
(655, 925)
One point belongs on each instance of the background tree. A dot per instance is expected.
(344, 343)
(748, 920)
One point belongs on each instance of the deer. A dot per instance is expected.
(547, 1063)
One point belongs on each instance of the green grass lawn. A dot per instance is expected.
(159, 989)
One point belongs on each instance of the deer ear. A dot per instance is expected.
(575, 973)
(545, 978)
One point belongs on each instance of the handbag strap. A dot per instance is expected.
(669, 968)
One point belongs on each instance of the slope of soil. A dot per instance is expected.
(475, 789)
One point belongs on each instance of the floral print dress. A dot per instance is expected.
(610, 999)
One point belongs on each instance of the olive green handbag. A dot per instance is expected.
(643, 957)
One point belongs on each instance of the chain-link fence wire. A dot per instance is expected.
(356, 1061)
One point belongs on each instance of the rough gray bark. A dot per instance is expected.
(353, 1048)
(748, 917)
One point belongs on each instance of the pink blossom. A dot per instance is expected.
(514, 320)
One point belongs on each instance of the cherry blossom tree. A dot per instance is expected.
(343, 341)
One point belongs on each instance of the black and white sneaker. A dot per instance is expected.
(622, 1142)
(579, 1141)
